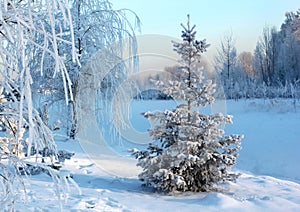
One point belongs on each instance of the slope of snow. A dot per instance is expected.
(268, 163)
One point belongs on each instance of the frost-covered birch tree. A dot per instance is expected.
(23, 24)
(189, 151)
(97, 26)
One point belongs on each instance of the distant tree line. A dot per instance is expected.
(272, 70)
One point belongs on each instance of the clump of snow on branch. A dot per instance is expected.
(190, 151)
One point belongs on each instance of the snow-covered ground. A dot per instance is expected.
(268, 162)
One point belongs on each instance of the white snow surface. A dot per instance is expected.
(268, 163)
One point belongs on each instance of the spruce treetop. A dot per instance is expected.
(190, 49)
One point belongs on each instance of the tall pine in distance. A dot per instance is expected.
(189, 151)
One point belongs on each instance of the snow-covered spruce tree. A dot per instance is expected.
(190, 152)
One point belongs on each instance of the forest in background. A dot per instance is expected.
(271, 71)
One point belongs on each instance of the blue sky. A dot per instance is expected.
(213, 18)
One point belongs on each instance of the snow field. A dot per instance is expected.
(269, 178)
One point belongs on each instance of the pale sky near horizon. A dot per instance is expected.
(213, 18)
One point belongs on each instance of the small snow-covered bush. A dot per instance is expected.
(189, 152)
(18, 157)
